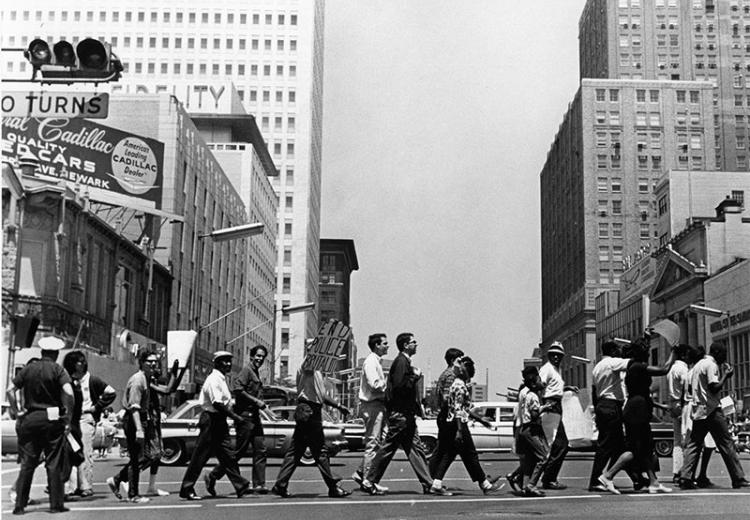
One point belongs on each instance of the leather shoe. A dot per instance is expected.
(260, 490)
(554, 485)
(704, 483)
(529, 491)
(687, 484)
(372, 489)
(18, 510)
(244, 490)
(59, 509)
(337, 492)
(210, 482)
(280, 491)
(741, 484)
(190, 495)
(513, 482)
(441, 491)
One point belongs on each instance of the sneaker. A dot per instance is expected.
(608, 484)
(599, 488)
(139, 500)
(494, 486)
(372, 489)
(156, 493)
(661, 488)
(114, 487)
(441, 491)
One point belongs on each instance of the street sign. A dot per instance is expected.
(59, 105)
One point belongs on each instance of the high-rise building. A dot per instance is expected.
(703, 40)
(662, 88)
(272, 50)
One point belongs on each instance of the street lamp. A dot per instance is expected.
(218, 235)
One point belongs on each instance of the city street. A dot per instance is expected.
(404, 499)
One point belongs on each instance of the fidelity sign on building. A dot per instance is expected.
(113, 166)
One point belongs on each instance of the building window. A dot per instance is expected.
(640, 118)
(640, 96)
(602, 185)
(617, 230)
(600, 94)
(694, 96)
(603, 253)
(739, 196)
(645, 231)
(653, 96)
(601, 117)
(603, 230)
(642, 185)
(601, 162)
(614, 95)
(616, 185)
(614, 118)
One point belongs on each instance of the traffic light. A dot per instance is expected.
(90, 61)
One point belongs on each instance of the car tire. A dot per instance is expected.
(430, 446)
(664, 447)
(174, 452)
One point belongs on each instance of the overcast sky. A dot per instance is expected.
(438, 116)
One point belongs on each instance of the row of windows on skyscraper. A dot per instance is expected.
(178, 17)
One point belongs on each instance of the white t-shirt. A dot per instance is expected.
(607, 376)
(552, 378)
(705, 372)
(215, 390)
(677, 382)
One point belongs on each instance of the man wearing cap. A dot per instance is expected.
(47, 395)
(553, 393)
(247, 388)
(214, 439)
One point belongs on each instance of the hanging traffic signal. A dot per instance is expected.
(90, 61)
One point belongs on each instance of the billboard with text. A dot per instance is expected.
(112, 166)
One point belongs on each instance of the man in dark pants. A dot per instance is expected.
(708, 417)
(48, 400)
(609, 398)
(444, 382)
(247, 389)
(137, 428)
(403, 406)
(308, 432)
(553, 394)
(214, 438)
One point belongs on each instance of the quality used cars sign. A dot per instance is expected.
(116, 167)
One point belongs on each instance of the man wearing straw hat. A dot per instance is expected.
(553, 394)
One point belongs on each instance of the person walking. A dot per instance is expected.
(95, 395)
(138, 428)
(708, 417)
(639, 452)
(677, 385)
(609, 398)
(247, 389)
(531, 444)
(214, 438)
(308, 432)
(457, 430)
(442, 388)
(402, 402)
(372, 385)
(47, 394)
(554, 386)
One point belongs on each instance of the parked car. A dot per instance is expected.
(180, 433)
(279, 395)
(8, 431)
(498, 438)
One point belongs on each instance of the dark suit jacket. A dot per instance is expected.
(401, 392)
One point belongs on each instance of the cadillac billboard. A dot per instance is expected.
(111, 166)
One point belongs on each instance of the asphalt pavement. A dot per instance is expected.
(404, 500)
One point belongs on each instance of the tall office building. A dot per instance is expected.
(272, 50)
(703, 40)
(662, 88)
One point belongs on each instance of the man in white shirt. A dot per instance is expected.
(214, 438)
(372, 386)
(609, 397)
(553, 393)
(677, 388)
(709, 417)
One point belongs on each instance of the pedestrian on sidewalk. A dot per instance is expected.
(531, 443)
(445, 380)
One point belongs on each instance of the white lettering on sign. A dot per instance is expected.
(55, 104)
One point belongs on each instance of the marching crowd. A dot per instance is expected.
(58, 407)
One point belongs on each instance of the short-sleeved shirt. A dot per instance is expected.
(677, 382)
(311, 386)
(705, 372)
(531, 404)
(137, 394)
(550, 376)
(42, 383)
(607, 376)
(444, 383)
(215, 390)
(519, 407)
(248, 381)
(459, 401)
